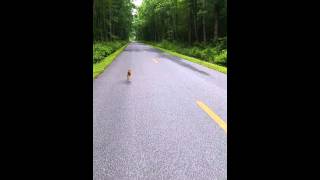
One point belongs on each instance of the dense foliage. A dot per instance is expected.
(104, 49)
(112, 19)
(181, 20)
(213, 53)
(194, 28)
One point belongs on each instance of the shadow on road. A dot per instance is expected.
(141, 47)
(125, 82)
(182, 63)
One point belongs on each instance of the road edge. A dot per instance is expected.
(100, 67)
(212, 66)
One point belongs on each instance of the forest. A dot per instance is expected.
(112, 25)
(196, 28)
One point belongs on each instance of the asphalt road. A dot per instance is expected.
(152, 128)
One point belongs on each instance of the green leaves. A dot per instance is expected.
(219, 68)
(181, 20)
(209, 53)
(104, 49)
(112, 20)
(221, 58)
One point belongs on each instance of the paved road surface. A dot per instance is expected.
(152, 128)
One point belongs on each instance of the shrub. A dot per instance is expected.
(221, 58)
(221, 43)
(215, 52)
(104, 49)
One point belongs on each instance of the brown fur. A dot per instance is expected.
(129, 74)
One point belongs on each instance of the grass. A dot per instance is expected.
(98, 68)
(195, 60)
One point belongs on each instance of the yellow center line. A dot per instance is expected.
(155, 60)
(213, 116)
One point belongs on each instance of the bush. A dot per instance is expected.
(104, 49)
(213, 53)
(209, 54)
(221, 59)
(221, 43)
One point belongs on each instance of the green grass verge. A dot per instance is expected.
(98, 68)
(195, 60)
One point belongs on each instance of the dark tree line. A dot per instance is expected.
(181, 20)
(112, 19)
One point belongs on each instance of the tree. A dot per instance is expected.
(186, 21)
(112, 19)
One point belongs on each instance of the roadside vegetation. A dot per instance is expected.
(111, 30)
(215, 53)
(102, 64)
(194, 28)
(103, 49)
(210, 65)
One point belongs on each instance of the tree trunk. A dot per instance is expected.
(176, 20)
(190, 23)
(174, 26)
(204, 30)
(189, 34)
(155, 28)
(105, 25)
(216, 23)
(204, 23)
(110, 21)
(195, 20)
